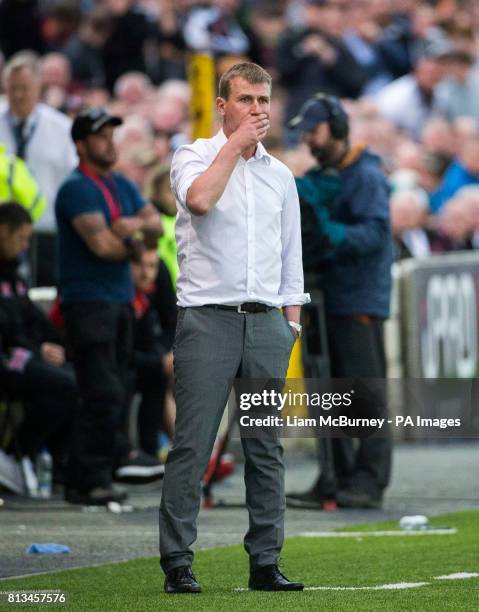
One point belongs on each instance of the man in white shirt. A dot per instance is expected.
(41, 136)
(409, 102)
(239, 252)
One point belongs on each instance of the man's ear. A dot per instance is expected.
(80, 147)
(220, 105)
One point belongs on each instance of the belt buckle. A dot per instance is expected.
(238, 309)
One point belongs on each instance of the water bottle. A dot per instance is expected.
(44, 473)
(418, 522)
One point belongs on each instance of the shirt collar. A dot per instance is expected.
(260, 153)
(29, 121)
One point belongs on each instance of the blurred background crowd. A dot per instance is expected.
(407, 72)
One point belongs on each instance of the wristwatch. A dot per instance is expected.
(297, 327)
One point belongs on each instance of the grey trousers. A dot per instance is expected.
(212, 348)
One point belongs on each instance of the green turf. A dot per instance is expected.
(137, 585)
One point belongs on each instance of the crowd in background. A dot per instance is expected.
(407, 72)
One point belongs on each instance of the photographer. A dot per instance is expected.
(98, 213)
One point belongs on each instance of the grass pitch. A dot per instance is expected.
(345, 562)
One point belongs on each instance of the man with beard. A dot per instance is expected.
(99, 213)
(347, 245)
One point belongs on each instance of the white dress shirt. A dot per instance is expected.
(50, 153)
(402, 103)
(247, 248)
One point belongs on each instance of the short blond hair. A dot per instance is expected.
(250, 72)
(20, 60)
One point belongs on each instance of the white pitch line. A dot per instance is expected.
(457, 576)
(363, 534)
(386, 587)
(375, 587)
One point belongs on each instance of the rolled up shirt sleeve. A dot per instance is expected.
(186, 166)
(292, 279)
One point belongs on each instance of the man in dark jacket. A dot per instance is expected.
(32, 359)
(345, 221)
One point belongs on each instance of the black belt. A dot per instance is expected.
(246, 308)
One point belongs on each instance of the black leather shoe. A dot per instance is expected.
(313, 499)
(269, 578)
(181, 580)
(355, 498)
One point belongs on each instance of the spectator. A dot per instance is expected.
(25, 126)
(314, 58)
(33, 366)
(457, 224)
(215, 29)
(133, 88)
(409, 213)
(125, 45)
(55, 71)
(55, 81)
(361, 36)
(464, 170)
(158, 192)
(266, 24)
(98, 213)
(434, 166)
(153, 364)
(84, 49)
(439, 136)
(408, 157)
(404, 39)
(409, 102)
(457, 95)
(60, 19)
(165, 55)
(136, 162)
(20, 26)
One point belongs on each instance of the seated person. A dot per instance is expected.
(33, 368)
(153, 364)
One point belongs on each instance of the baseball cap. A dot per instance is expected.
(316, 110)
(91, 121)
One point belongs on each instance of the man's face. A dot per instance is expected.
(322, 145)
(244, 99)
(14, 242)
(469, 156)
(429, 73)
(23, 92)
(144, 272)
(99, 149)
